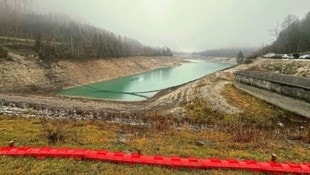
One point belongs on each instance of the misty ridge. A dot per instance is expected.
(292, 36)
(230, 52)
(54, 35)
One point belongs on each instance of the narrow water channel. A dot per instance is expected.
(148, 81)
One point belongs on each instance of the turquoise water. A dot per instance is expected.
(148, 81)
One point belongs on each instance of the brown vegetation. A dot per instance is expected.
(254, 132)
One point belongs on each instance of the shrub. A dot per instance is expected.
(58, 130)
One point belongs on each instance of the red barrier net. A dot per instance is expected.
(175, 162)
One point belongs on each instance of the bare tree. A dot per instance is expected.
(289, 21)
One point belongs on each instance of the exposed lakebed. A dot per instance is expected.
(148, 81)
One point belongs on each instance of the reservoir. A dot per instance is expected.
(148, 81)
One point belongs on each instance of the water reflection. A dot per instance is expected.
(156, 79)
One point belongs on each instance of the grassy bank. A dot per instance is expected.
(255, 134)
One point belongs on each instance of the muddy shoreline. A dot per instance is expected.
(54, 106)
(31, 75)
(169, 102)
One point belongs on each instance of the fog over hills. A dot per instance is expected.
(186, 25)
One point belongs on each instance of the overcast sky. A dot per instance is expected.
(184, 25)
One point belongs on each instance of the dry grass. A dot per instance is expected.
(200, 112)
(288, 67)
(300, 134)
(253, 134)
(266, 117)
(157, 138)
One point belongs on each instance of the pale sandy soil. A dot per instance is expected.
(94, 70)
(209, 88)
(172, 101)
(30, 74)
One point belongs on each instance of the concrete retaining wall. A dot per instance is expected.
(287, 92)
(292, 86)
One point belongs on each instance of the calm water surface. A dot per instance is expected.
(148, 81)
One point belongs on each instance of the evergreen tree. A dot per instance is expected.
(57, 35)
(240, 57)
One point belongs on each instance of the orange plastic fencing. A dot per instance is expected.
(175, 162)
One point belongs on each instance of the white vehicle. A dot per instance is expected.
(269, 55)
(287, 56)
(305, 56)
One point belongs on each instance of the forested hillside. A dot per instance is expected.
(58, 36)
(225, 52)
(292, 36)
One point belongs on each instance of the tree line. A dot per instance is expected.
(292, 36)
(59, 36)
(228, 52)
